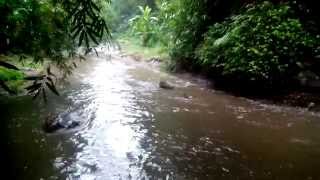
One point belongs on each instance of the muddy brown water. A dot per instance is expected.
(131, 129)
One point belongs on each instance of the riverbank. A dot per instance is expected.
(131, 47)
(21, 75)
(298, 97)
(14, 79)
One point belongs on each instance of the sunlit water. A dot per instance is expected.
(131, 129)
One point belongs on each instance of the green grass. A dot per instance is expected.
(14, 79)
(132, 46)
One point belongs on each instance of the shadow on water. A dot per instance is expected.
(131, 129)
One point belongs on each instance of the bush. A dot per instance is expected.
(265, 42)
(187, 21)
(144, 25)
(51, 30)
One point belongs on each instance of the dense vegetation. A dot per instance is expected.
(50, 27)
(273, 43)
(270, 42)
(265, 42)
(49, 30)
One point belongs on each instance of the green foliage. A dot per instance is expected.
(132, 46)
(40, 83)
(119, 12)
(31, 27)
(86, 22)
(143, 24)
(174, 24)
(164, 29)
(50, 29)
(186, 19)
(10, 79)
(10, 74)
(265, 42)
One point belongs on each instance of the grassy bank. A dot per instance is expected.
(15, 79)
(132, 46)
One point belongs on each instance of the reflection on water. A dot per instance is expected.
(131, 129)
(110, 144)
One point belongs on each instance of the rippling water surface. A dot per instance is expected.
(131, 129)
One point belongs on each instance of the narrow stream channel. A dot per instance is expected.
(131, 129)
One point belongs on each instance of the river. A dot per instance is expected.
(132, 129)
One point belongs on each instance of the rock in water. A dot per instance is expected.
(52, 124)
(165, 85)
(311, 105)
(72, 125)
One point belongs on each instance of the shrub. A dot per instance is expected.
(143, 25)
(187, 21)
(265, 42)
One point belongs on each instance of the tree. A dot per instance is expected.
(143, 24)
(51, 29)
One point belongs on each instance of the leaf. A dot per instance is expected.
(92, 36)
(87, 40)
(52, 88)
(33, 86)
(76, 33)
(44, 95)
(81, 37)
(49, 71)
(33, 78)
(36, 95)
(88, 51)
(96, 52)
(22, 57)
(37, 59)
(50, 80)
(6, 88)
(8, 65)
(95, 7)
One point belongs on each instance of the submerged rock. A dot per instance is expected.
(165, 85)
(311, 105)
(186, 96)
(52, 124)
